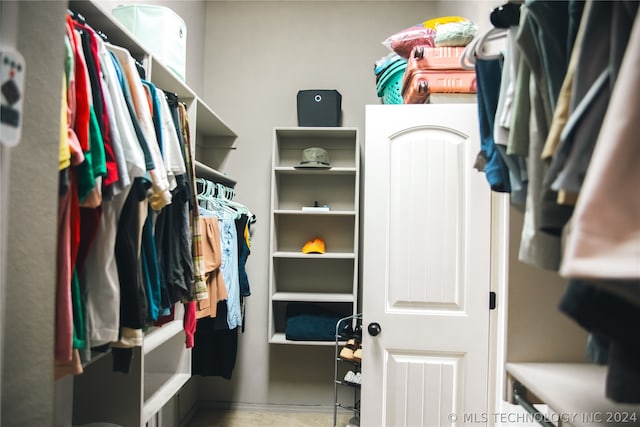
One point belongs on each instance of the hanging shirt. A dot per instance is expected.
(103, 283)
(604, 240)
(172, 154)
(181, 123)
(90, 48)
(161, 195)
(229, 269)
(488, 74)
(212, 254)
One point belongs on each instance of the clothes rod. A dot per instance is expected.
(204, 171)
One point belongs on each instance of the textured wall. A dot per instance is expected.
(27, 377)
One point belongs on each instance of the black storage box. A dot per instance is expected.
(319, 107)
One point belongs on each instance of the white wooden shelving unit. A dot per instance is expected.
(163, 364)
(328, 280)
(574, 393)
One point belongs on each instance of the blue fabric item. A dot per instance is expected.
(229, 268)
(150, 269)
(488, 76)
(126, 91)
(309, 322)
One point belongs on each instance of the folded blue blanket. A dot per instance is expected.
(308, 322)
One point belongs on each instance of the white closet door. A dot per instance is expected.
(426, 272)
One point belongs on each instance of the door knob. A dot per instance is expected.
(374, 329)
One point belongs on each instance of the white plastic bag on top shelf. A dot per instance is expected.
(160, 30)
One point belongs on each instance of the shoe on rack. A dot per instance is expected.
(357, 354)
(350, 377)
(348, 350)
(353, 378)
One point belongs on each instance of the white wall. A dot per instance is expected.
(27, 371)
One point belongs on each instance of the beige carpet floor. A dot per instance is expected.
(253, 418)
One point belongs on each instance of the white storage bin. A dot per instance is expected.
(160, 30)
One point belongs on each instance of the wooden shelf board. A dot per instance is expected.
(327, 255)
(159, 389)
(209, 123)
(309, 171)
(572, 389)
(312, 297)
(301, 212)
(279, 338)
(324, 132)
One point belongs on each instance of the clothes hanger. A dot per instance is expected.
(206, 198)
(468, 57)
(202, 198)
(502, 17)
(215, 199)
(202, 189)
(476, 48)
(480, 48)
(227, 196)
(220, 204)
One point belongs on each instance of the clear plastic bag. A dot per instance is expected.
(382, 63)
(455, 33)
(403, 41)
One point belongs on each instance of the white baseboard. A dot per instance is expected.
(186, 420)
(212, 404)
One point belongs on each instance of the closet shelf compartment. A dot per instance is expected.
(289, 143)
(291, 232)
(292, 192)
(575, 389)
(161, 334)
(166, 80)
(165, 370)
(209, 123)
(204, 171)
(159, 389)
(100, 19)
(329, 280)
